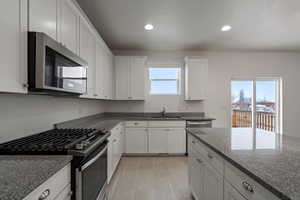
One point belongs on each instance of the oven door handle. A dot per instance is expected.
(90, 162)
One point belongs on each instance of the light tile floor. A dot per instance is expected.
(150, 178)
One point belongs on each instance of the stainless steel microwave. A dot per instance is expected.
(52, 68)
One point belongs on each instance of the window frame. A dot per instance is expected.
(178, 80)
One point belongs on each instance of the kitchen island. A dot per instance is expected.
(269, 159)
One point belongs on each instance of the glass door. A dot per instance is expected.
(255, 112)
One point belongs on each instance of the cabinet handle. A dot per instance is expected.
(25, 85)
(136, 123)
(95, 95)
(167, 129)
(193, 142)
(44, 195)
(247, 186)
(199, 161)
(210, 156)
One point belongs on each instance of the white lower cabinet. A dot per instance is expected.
(213, 183)
(219, 179)
(176, 141)
(56, 187)
(230, 193)
(158, 138)
(155, 137)
(196, 174)
(115, 150)
(136, 140)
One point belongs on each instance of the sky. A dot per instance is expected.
(265, 90)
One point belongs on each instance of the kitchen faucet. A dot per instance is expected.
(163, 112)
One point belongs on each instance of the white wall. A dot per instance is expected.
(222, 67)
(22, 115)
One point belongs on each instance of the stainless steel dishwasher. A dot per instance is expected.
(197, 124)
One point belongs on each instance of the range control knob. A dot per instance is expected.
(79, 146)
(85, 143)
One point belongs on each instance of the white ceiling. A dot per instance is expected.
(196, 24)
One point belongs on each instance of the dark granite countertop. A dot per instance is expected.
(109, 120)
(20, 175)
(272, 160)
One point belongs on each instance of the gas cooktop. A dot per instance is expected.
(56, 141)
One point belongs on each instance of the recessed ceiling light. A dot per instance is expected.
(226, 28)
(149, 27)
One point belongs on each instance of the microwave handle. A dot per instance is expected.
(90, 162)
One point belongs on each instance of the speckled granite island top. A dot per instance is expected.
(20, 175)
(271, 159)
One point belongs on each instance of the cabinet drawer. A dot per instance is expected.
(246, 185)
(53, 186)
(167, 124)
(209, 155)
(136, 124)
(65, 194)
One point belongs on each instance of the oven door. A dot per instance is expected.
(91, 176)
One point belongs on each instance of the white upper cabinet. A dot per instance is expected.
(69, 25)
(99, 87)
(130, 77)
(122, 70)
(87, 51)
(108, 75)
(13, 40)
(43, 17)
(196, 72)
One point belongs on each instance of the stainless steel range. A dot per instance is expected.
(89, 148)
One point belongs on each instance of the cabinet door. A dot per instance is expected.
(122, 72)
(69, 26)
(13, 51)
(177, 140)
(196, 176)
(43, 16)
(99, 87)
(158, 140)
(136, 140)
(137, 78)
(87, 51)
(231, 194)
(196, 72)
(213, 184)
(108, 75)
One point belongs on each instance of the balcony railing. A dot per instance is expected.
(264, 120)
